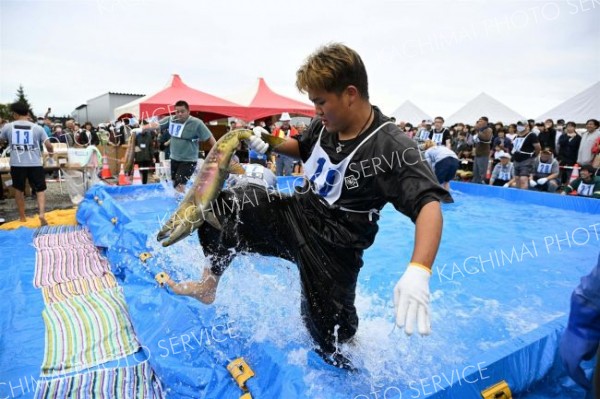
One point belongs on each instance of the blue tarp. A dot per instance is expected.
(189, 345)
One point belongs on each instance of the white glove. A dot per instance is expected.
(411, 300)
(257, 144)
(258, 130)
(506, 185)
(542, 181)
(532, 183)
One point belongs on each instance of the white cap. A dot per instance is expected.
(285, 117)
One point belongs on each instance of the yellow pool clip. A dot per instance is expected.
(161, 278)
(500, 390)
(144, 256)
(114, 220)
(241, 372)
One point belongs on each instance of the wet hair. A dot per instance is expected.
(20, 108)
(333, 68)
(182, 103)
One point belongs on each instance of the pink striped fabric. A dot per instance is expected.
(59, 265)
(74, 238)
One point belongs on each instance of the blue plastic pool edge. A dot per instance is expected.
(536, 349)
(575, 203)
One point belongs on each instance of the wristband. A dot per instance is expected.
(420, 265)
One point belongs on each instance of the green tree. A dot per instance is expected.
(21, 97)
(5, 113)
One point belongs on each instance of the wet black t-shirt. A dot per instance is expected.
(387, 168)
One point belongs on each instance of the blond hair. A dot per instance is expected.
(333, 68)
(428, 144)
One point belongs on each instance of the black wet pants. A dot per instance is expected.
(272, 224)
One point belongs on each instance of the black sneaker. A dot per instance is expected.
(336, 360)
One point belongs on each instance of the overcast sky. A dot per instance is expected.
(530, 55)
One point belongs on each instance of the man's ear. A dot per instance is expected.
(352, 94)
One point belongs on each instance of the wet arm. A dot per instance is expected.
(290, 148)
(428, 234)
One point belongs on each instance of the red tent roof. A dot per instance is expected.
(210, 106)
(266, 103)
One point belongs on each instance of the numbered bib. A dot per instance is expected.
(22, 138)
(254, 171)
(544, 168)
(437, 138)
(585, 190)
(176, 129)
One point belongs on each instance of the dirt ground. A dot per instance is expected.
(55, 199)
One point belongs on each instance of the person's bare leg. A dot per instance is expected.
(41, 200)
(204, 290)
(20, 200)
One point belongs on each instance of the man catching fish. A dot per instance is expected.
(355, 161)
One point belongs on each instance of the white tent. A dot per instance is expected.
(484, 105)
(409, 112)
(580, 108)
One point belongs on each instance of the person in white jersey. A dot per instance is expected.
(25, 140)
(355, 161)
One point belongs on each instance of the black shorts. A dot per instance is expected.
(445, 170)
(181, 171)
(328, 257)
(35, 175)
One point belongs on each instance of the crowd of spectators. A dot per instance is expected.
(525, 154)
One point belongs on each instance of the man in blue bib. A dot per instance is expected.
(26, 141)
(186, 134)
(355, 161)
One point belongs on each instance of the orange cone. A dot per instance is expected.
(574, 173)
(122, 178)
(105, 174)
(137, 178)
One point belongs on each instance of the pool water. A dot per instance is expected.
(503, 270)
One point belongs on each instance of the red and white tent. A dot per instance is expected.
(267, 103)
(163, 103)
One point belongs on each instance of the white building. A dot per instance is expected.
(100, 109)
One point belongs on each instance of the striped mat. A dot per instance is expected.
(56, 230)
(124, 383)
(84, 286)
(87, 330)
(59, 265)
(70, 239)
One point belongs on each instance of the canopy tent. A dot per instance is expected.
(579, 108)
(484, 105)
(409, 112)
(267, 103)
(163, 103)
